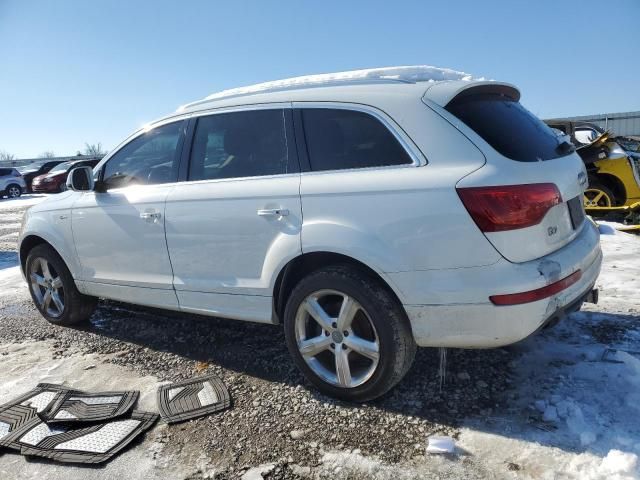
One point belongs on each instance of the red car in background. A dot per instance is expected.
(55, 180)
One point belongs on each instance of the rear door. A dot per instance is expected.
(235, 221)
(119, 229)
(521, 150)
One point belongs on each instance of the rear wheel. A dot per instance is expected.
(348, 334)
(597, 195)
(53, 290)
(14, 191)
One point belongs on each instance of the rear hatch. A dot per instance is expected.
(527, 198)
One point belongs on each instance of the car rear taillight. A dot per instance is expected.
(538, 294)
(509, 207)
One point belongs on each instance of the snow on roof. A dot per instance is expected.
(408, 74)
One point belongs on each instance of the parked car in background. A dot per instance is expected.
(29, 173)
(11, 183)
(436, 214)
(54, 180)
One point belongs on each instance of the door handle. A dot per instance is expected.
(155, 216)
(273, 212)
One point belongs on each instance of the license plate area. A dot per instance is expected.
(576, 211)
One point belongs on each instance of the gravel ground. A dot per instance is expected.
(277, 418)
(278, 426)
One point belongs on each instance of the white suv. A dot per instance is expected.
(11, 183)
(368, 215)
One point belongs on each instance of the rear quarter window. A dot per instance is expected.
(339, 139)
(507, 126)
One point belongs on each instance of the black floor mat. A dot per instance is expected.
(19, 411)
(91, 444)
(75, 408)
(192, 398)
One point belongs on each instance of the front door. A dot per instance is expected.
(119, 229)
(236, 221)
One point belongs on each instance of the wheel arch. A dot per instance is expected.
(614, 184)
(29, 242)
(306, 263)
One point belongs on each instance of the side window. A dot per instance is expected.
(340, 139)
(239, 144)
(150, 158)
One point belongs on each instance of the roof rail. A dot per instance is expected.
(402, 74)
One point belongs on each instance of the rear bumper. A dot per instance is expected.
(451, 308)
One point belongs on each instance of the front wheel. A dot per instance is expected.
(348, 334)
(53, 290)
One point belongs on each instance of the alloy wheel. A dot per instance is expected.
(594, 197)
(13, 192)
(337, 338)
(47, 287)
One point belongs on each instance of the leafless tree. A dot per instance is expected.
(6, 156)
(47, 154)
(94, 149)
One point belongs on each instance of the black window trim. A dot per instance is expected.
(294, 166)
(179, 150)
(418, 159)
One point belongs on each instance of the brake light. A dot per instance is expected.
(538, 294)
(509, 207)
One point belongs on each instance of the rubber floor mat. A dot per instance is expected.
(73, 407)
(91, 444)
(192, 398)
(16, 413)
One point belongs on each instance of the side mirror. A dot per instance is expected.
(80, 179)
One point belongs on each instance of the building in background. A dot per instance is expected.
(625, 124)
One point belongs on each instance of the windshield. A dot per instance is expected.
(60, 168)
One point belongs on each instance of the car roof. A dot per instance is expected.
(370, 86)
(368, 93)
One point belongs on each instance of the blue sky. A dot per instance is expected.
(76, 71)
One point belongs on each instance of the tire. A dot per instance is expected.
(59, 283)
(13, 191)
(598, 195)
(379, 321)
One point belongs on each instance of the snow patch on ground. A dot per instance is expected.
(576, 408)
(26, 200)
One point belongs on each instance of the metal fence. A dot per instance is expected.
(625, 123)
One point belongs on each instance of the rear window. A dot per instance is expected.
(508, 127)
